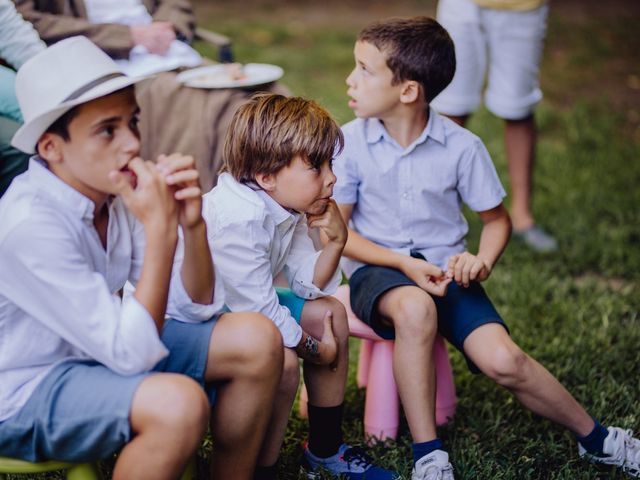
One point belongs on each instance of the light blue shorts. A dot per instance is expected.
(80, 410)
(294, 303)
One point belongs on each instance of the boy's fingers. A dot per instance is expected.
(475, 270)
(189, 192)
(328, 323)
(182, 176)
(466, 274)
(119, 181)
(141, 168)
(175, 162)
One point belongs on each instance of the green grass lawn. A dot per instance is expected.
(575, 311)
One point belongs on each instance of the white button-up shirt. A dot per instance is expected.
(253, 239)
(411, 198)
(58, 287)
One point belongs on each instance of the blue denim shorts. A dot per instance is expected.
(80, 410)
(460, 311)
(294, 303)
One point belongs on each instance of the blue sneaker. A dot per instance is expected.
(350, 462)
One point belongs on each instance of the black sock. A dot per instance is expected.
(325, 430)
(266, 473)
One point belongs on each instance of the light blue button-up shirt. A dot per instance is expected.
(411, 198)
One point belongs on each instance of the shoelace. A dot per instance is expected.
(357, 457)
(434, 472)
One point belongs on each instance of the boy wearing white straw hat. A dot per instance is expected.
(84, 376)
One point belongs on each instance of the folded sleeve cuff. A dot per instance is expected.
(303, 286)
(182, 308)
(148, 349)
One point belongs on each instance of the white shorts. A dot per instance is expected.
(510, 42)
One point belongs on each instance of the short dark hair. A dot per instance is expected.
(270, 130)
(416, 48)
(61, 126)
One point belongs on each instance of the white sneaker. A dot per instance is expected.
(433, 466)
(621, 449)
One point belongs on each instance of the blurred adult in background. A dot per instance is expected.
(151, 37)
(501, 40)
(18, 42)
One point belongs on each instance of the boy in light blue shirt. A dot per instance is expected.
(401, 180)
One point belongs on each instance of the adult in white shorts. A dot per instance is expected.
(500, 40)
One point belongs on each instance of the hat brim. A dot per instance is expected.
(27, 136)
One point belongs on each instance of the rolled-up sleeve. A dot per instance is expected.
(181, 306)
(301, 263)
(74, 301)
(241, 258)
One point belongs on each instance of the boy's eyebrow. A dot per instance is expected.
(362, 63)
(114, 119)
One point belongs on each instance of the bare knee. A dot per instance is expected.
(414, 317)
(171, 403)
(258, 343)
(507, 365)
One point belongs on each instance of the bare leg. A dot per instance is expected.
(168, 416)
(326, 387)
(498, 357)
(413, 314)
(285, 396)
(246, 353)
(520, 140)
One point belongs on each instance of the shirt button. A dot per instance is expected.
(405, 195)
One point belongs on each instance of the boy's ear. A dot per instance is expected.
(266, 181)
(410, 91)
(49, 148)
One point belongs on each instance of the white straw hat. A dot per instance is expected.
(68, 73)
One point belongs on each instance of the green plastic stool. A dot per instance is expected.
(74, 471)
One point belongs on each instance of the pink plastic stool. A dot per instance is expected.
(375, 372)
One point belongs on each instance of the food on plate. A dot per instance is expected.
(231, 71)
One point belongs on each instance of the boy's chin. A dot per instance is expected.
(317, 209)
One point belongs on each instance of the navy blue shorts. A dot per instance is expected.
(80, 410)
(460, 311)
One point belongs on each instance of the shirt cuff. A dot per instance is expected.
(146, 348)
(182, 308)
(293, 336)
(303, 286)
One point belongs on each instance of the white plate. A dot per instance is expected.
(217, 76)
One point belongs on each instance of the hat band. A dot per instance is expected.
(85, 88)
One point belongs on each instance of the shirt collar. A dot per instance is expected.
(53, 187)
(278, 212)
(374, 130)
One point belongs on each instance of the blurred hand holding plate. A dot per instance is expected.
(232, 75)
